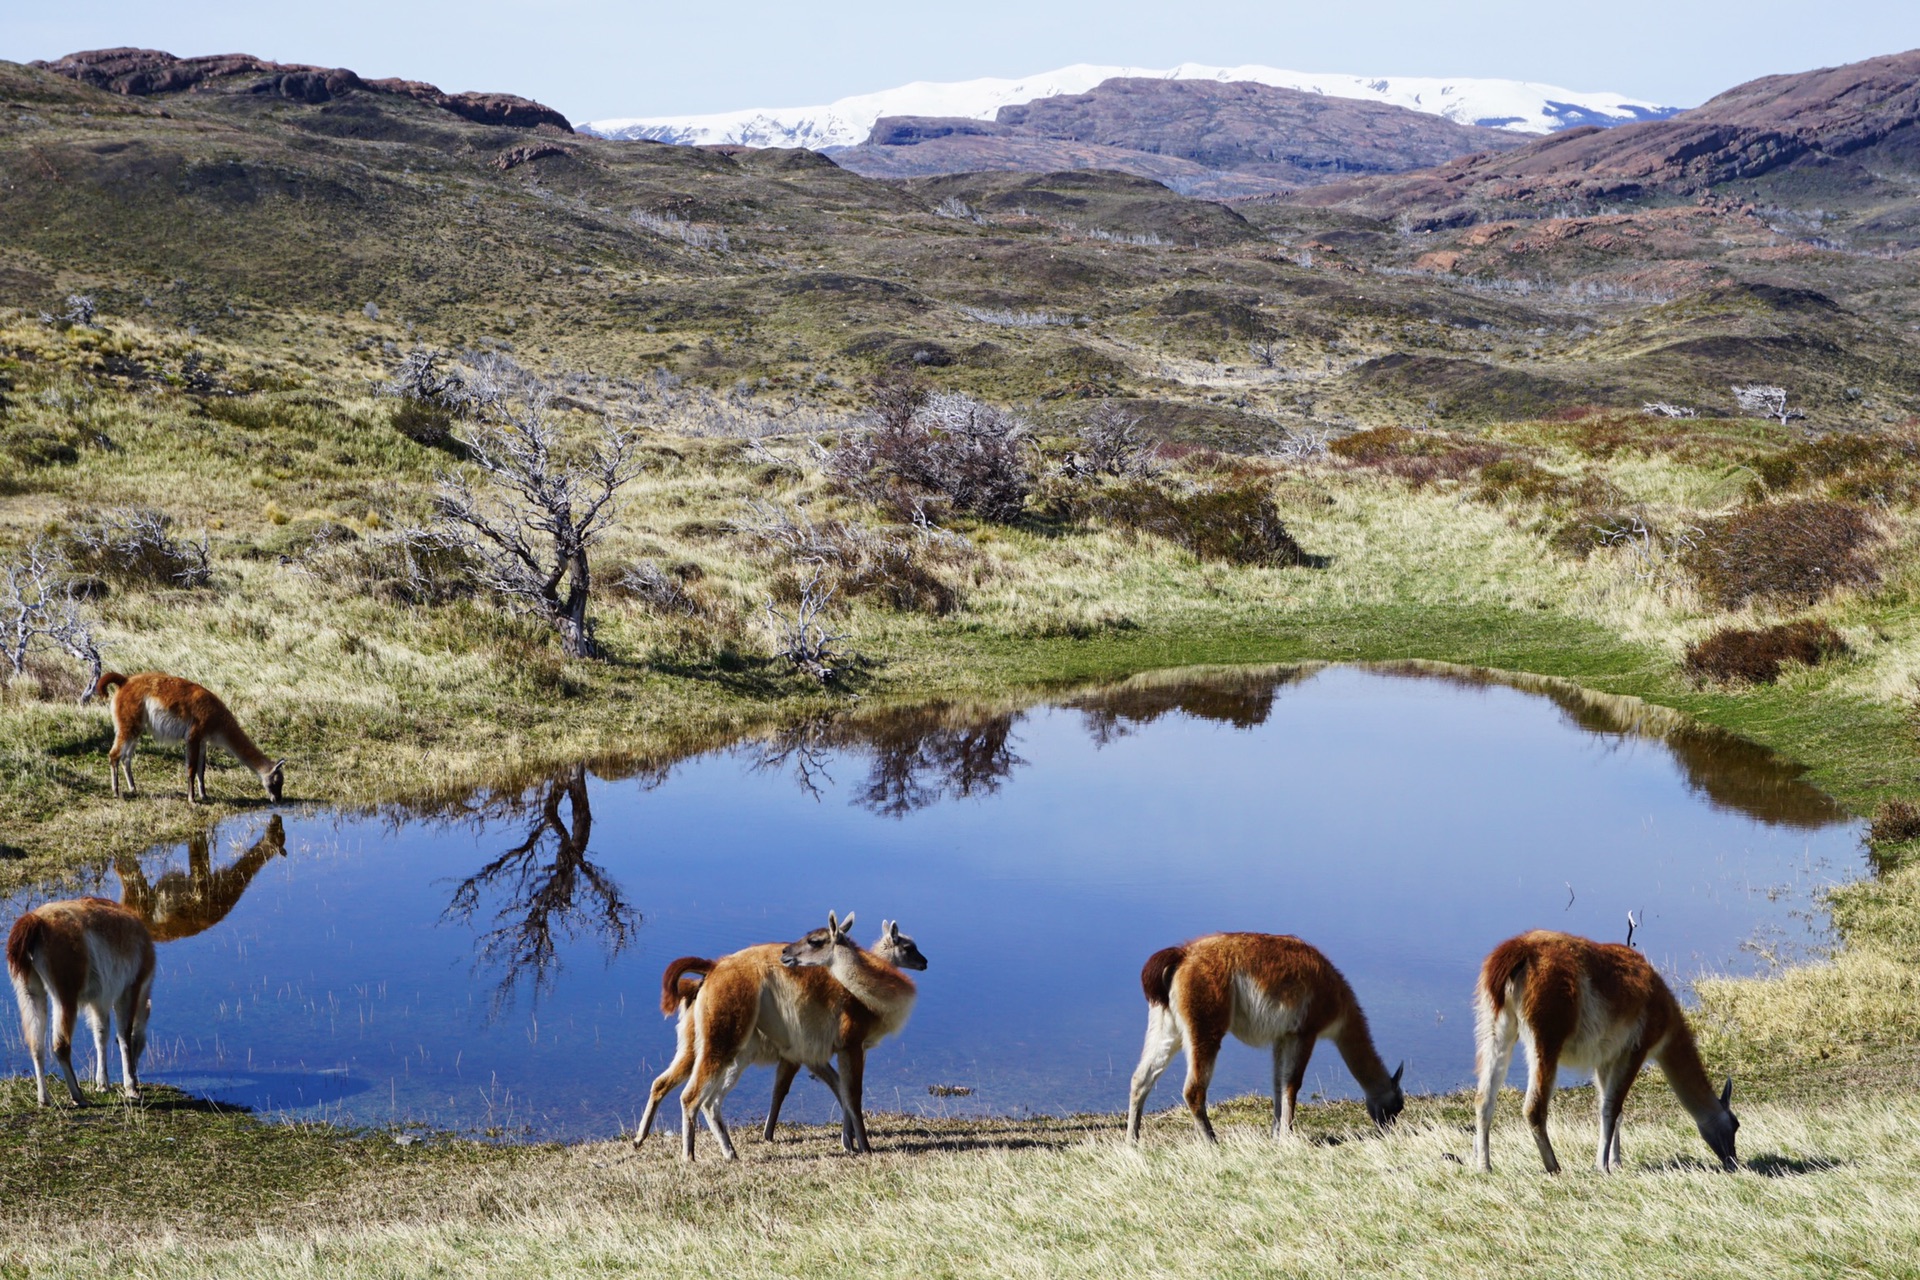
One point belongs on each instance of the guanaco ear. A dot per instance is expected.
(846, 926)
(892, 929)
(1398, 1072)
(1726, 1094)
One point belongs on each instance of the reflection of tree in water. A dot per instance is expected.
(181, 904)
(549, 890)
(1243, 699)
(919, 755)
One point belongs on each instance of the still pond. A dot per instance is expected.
(493, 966)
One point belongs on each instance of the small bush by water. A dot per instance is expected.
(1756, 656)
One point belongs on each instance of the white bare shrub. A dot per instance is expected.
(1662, 409)
(1762, 400)
(541, 502)
(695, 235)
(40, 608)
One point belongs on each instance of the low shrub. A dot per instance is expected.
(668, 592)
(1793, 552)
(406, 566)
(1895, 822)
(422, 422)
(1755, 657)
(1239, 524)
(1587, 529)
(854, 561)
(950, 448)
(136, 545)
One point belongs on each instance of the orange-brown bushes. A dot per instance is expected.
(1238, 523)
(1756, 656)
(1794, 552)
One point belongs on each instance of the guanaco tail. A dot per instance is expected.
(1579, 1003)
(176, 710)
(85, 955)
(774, 1004)
(1266, 990)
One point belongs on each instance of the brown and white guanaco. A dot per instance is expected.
(679, 987)
(1263, 989)
(85, 955)
(1587, 1004)
(791, 1006)
(176, 710)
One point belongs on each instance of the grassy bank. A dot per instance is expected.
(1831, 1188)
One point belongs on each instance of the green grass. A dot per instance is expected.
(1830, 1188)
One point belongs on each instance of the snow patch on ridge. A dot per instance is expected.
(1521, 106)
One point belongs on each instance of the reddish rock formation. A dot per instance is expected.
(144, 72)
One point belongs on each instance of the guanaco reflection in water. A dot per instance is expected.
(182, 904)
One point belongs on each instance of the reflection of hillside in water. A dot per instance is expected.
(921, 755)
(1731, 772)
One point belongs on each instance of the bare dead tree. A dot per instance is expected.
(1765, 401)
(39, 607)
(429, 376)
(1266, 352)
(802, 638)
(543, 505)
(1662, 409)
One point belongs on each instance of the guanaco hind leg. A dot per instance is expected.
(1163, 1042)
(1543, 1071)
(1497, 1041)
(1290, 1057)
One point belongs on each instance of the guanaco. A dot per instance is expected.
(1587, 1004)
(91, 955)
(174, 710)
(1266, 989)
(765, 1004)
(680, 986)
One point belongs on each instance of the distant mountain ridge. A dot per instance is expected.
(1519, 106)
(1199, 137)
(1842, 136)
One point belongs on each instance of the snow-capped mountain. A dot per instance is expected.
(1519, 105)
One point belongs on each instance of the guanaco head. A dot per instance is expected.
(275, 778)
(101, 687)
(1718, 1126)
(1385, 1106)
(817, 947)
(896, 948)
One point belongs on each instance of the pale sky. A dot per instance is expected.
(593, 59)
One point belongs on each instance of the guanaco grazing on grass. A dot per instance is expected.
(175, 710)
(1587, 1004)
(86, 955)
(1265, 989)
(791, 1006)
(823, 996)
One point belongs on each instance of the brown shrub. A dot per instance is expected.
(1755, 657)
(1895, 822)
(1371, 447)
(1587, 529)
(1787, 551)
(1237, 523)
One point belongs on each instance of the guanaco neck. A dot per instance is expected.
(1355, 1042)
(1679, 1059)
(872, 981)
(241, 745)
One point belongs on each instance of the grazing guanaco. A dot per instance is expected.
(88, 955)
(679, 988)
(790, 1006)
(177, 710)
(1587, 1004)
(1264, 989)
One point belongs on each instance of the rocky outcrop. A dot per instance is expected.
(145, 72)
(1201, 136)
(1760, 128)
